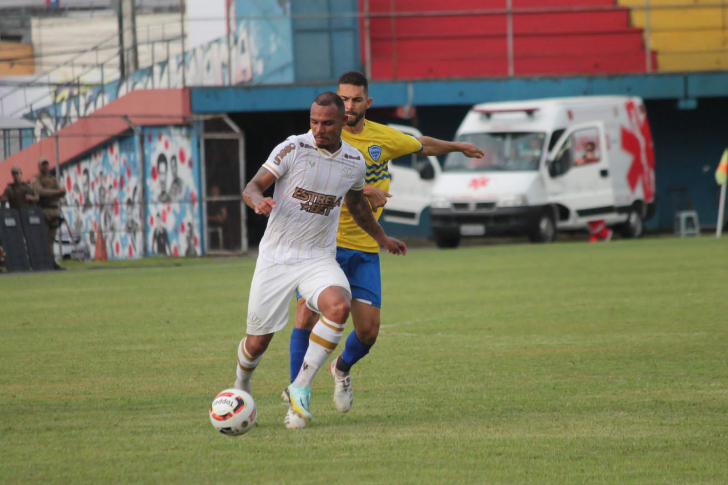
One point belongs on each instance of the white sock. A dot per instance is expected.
(246, 366)
(325, 336)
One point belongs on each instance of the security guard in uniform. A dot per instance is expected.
(19, 194)
(46, 186)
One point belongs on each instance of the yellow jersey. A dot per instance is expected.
(379, 144)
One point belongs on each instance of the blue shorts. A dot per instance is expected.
(362, 271)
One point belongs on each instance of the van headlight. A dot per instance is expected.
(440, 202)
(512, 201)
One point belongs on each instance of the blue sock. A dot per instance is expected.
(297, 349)
(354, 351)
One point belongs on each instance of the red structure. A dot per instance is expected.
(418, 39)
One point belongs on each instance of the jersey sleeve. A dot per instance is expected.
(360, 178)
(281, 158)
(403, 144)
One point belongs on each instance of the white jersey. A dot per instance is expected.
(310, 188)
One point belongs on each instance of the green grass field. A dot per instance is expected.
(563, 363)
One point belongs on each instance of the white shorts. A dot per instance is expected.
(274, 285)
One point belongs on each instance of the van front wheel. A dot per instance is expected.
(545, 229)
(447, 241)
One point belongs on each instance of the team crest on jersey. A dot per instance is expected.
(375, 151)
(347, 172)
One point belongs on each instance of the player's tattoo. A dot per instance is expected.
(253, 192)
(362, 213)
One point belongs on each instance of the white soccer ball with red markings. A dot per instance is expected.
(233, 412)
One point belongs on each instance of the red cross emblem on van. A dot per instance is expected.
(478, 182)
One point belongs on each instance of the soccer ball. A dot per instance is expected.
(233, 412)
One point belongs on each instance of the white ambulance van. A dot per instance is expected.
(412, 180)
(550, 165)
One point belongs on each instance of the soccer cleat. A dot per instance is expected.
(343, 392)
(300, 400)
(293, 420)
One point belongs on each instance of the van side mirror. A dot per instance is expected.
(425, 169)
(551, 166)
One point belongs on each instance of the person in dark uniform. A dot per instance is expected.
(19, 194)
(47, 188)
(217, 215)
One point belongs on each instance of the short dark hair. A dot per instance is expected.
(328, 98)
(594, 145)
(162, 160)
(355, 78)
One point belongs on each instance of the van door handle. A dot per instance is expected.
(604, 172)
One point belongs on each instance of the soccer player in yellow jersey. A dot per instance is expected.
(356, 252)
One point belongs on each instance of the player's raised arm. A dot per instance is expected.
(362, 214)
(434, 146)
(253, 193)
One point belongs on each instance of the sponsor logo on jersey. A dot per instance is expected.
(285, 151)
(315, 203)
(351, 157)
(375, 151)
(305, 145)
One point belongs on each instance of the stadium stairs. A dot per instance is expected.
(688, 35)
(468, 38)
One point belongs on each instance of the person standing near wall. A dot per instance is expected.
(46, 186)
(19, 194)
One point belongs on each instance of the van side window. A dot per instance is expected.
(586, 146)
(581, 148)
(562, 162)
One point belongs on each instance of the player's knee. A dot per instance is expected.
(338, 311)
(256, 345)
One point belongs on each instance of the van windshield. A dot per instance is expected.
(504, 152)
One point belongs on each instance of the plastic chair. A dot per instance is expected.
(686, 221)
(214, 230)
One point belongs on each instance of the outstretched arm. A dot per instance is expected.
(362, 214)
(434, 146)
(253, 193)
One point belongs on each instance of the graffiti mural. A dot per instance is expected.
(103, 200)
(106, 205)
(174, 219)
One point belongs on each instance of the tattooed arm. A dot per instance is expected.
(362, 214)
(253, 193)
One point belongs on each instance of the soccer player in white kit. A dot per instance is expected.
(313, 174)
